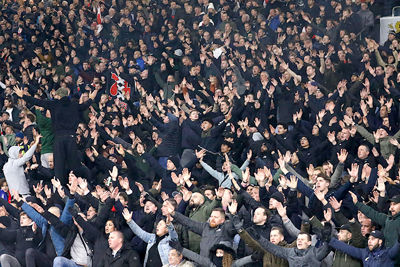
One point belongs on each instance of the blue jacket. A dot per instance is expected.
(58, 241)
(379, 257)
(163, 246)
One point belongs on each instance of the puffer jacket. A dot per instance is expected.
(379, 257)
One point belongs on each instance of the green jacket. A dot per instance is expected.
(200, 214)
(390, 224)
(386, 147)
(46, 130)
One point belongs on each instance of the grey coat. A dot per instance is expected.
(209, 236)
(310, 257)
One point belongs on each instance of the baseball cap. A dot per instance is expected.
(346, 227)
(395, 199)
(377, 234)
(62, 92)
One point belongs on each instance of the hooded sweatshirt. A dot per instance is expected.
(14, 169)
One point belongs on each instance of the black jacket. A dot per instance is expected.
(24, 238)
(125, 257)
(65, 114)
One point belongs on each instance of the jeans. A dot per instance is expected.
(64, 262)
(35, 258)
(9, 261)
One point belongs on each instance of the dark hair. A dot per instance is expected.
(305, 233)
(173, 202)
(31, 117)
(279, 229)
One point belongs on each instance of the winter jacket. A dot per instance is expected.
(124, 258)
(386, 147)
(379, 257)
(24, 238)
(64, 113)
(390, 224)
(169, 132)
(209, 236)
(150, 238)
(223, 179)
(14, 169)
(46, 130)
(269, 259)
(57, 239)
(206, 262)
(310, 257)
(200, 214)
(191, 131)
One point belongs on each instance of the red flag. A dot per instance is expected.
(98, 15)
(120, 88)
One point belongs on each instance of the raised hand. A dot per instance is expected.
(342, 156)
(233, 207)
(114, 173)
(328, 214)
(354, 171)
(127, 215)
(292, 183)
(353, 197)
(335, 204)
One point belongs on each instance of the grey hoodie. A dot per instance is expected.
(14, 169)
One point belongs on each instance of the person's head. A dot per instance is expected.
(24, 220)
(161, 228)
(123, 198)
(115, 240)
(149, 207)
(91, 212)
(207, 124)
(110, 227)
(4, 185)
(281, 128)
(366, 226)
(217, 217)
(164, 209)
(194, 115)
(276, 235)
(344, 233)
(209, 192)
(303, 240)
(375, 240)
(304, 142)
(323, 182)
(174, 257)
(394, 205)
(363, 151)
(260, 216)
(196, 200)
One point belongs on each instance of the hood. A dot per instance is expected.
(13, 152)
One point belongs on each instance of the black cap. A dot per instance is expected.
(345, 227)
(395, 199)
(377, 234)
(278, 196)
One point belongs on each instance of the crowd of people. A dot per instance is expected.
(199, 133)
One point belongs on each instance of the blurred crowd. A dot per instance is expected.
(199, 133)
